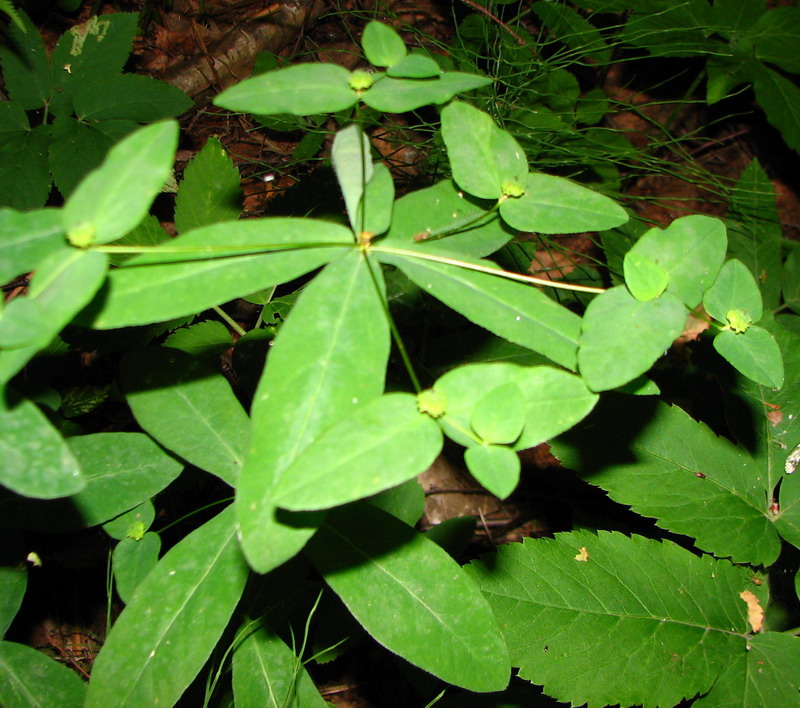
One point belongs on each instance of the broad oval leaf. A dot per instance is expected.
(167, 632)
(410, 596)
(734, 289)
(132, 561)
(382, 45)
(31, 679)
(116, 196)
(671, 468)
(189, 408)
(329, 356)
(385, 442)
(755, 353)
(614, 319)
(555, 205)
(400, 95)
(594, 616)
(37, 461)
(299, 90)
(496, 467)
(212, 265)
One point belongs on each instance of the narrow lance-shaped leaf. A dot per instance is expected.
(167, 632)
(31, 679)
(329, 357)
(410, 596)
(352, 163)
(603, 619)
(667, 466)
(189, 408)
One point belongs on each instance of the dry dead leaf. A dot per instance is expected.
(755, 614)
(583, 555)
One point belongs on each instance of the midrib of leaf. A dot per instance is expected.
(31, 699)
(177, 613)
(399, 582)
(200, 416)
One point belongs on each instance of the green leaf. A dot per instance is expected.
(593, 617)
(614, 319)
(26, 239)
(115, 197)
(500, 415)
(378, 201)
(554, 400)
(791, 282)
(734, 289)
(381, 444)
(132, 560)
(268, 252)
(148, 233)
(776, 36)
(405, 501)
(667, 466)
(64, 282)
(75, 150)
(509, 309)
(188, 408)
(299, 90)
(382, 45)
(203, 340)
(268, 673)
(167, 632)
(31, 679)
(132, 97)
(26, 70)
(441, 217)
(24, 173)
(414, 66)
(780, 99)
(754, 352)
(482, 156)
(140, 517)
(14, 122)
(645, 278)
(439, 621)
(352, 163)
(734, 16)
(400, 95)
(329, 356)
(555, 205)
(496, 467)
(691, 251)
(36, 460)
(210, 190)
(754, 231)
(572, 29)
(13, 582)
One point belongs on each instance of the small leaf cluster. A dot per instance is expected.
(320, 472)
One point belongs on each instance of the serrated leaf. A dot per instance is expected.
(199, 269)
(691, 251)
(26, 70)
(754, 352)
(775, 37)
(594, 617)
(554, 400)
(299, 90)
(400, 95)
(473, 138)
(132, 560)
(116, 196)
(734, 289)
(75, 150)
(329, 356)
(31, 679)
(572, 29)
(24, 173)
(499, 416)
(26, 239)
(509, 309)
(496, 467)
(175, 618)
(210, 190)
(381, 444)
(780, 99)
(605, 357)
(189, 408)
(446, 627)
(555, 205)
(130, 96)
(382, 45)
(268, 673)
(669, 467)
(352, 162)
